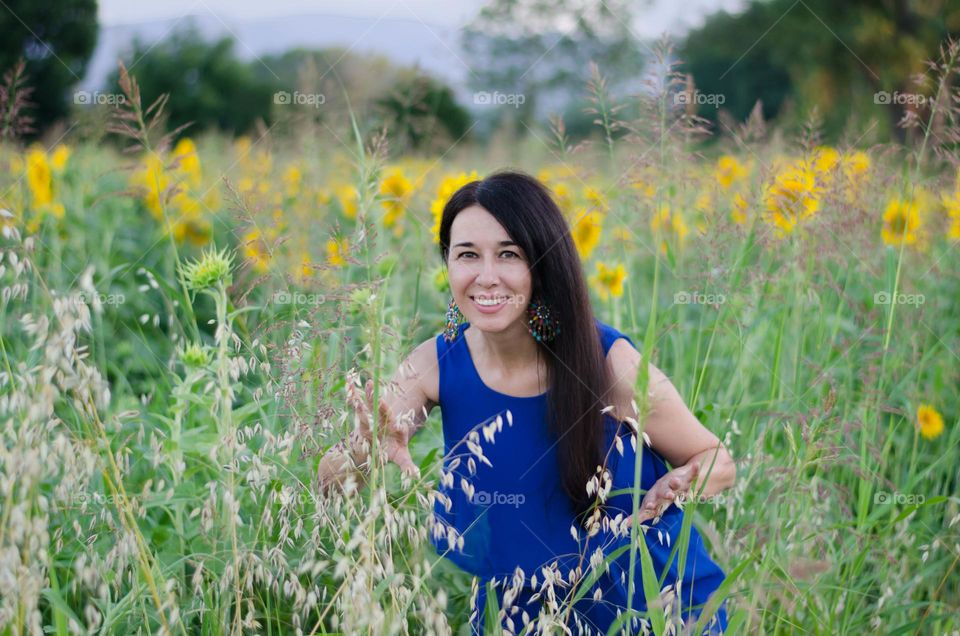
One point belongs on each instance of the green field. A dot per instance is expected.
(180, 325)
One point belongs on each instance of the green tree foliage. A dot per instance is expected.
(56, 38)
(417, 110)
(210, 87)
(419, 107)
(333, 71)
(206, 82)
(847, 58)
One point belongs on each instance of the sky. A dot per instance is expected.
(653, 16)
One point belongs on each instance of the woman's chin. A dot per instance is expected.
(493, 323)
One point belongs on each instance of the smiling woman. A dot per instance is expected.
(541, 443)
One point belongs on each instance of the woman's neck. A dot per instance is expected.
(510, 349)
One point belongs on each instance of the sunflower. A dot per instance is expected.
(348, 198)
(292, 178)
(39, 180)
(448, 186)
(336, 251)
(792, 197)
(396, 189)
(608, 281)
(668, 222)
(596, 199)
(255, 250)
(901, 222)
(739, 212)
(729, 171)
(929, 422)
(825, 160)
(586, 232)
(59, 157)
(186, 162)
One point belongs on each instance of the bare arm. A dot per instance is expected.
(405, 403)
(673, 430)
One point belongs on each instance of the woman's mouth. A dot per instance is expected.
(489, 304)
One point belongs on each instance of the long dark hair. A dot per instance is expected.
(579, 380)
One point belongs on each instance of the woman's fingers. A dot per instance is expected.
(334, 467)
(648, 507)
(665, 491)
(400, 455)
(361, 404)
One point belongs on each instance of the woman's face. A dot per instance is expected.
(489, 273)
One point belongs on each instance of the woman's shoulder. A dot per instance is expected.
(613, 339)
(422, 364)
(623, 361)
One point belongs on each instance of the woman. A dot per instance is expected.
(534, 394)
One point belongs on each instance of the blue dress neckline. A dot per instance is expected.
(473, 366)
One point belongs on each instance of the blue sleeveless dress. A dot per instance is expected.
(509, 510)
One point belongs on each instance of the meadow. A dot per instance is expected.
(186, 328)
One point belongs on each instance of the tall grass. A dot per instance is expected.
(164, 408)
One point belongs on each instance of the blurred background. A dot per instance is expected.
(433, 71)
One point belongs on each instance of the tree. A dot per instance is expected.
(56, 38)
(207, 84)
(418, 110)
(419, 107)
(846, 58)
(722, 61)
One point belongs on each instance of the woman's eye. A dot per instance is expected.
(514, 254)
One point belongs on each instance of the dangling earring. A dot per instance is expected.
(541, 323)
(454, 320)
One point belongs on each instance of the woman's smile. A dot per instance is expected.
(489, 304)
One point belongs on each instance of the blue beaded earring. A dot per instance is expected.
(454, 320)
(541, 322)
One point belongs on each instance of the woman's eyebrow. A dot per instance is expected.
(469, 244)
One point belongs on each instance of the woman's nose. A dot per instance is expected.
(488, 273)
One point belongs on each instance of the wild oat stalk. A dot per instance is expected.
(604, 108)
(14, 103)
(133, 122)
(665, 122)
(944, 107)
(62, 373)
(369, 529)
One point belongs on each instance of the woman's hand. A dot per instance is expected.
(351, 457)
(394, 436)
(666, 490)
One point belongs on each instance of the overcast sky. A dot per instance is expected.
(653, 17)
